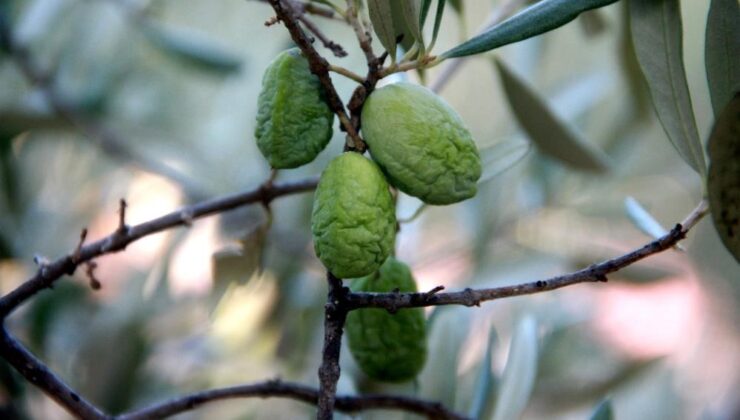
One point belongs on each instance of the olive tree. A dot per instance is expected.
(371, 75)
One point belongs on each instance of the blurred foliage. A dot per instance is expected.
(229, 301)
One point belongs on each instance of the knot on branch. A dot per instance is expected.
(470, 298)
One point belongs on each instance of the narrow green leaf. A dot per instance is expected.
(520, 372)
(537, 19)
(457, 6)
(381, 16)
(642, 219)
(485, 386)
(438, 19)
(547, 131)
(723, 183)
(411, 12)
(657, 35)
(603, 411)
(425, 5)
(447, 329)
(193, 48)
(722, 52)
(406, 15)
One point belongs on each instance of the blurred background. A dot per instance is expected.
(163, 94)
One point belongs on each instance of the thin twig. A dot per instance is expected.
(470, 297)
(117, 241)
(346, 73)
(335, 48)
(313, 9)
(364, 39)
(335, 313)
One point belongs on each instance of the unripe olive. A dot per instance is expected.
(388, 347)
(353, 219)
(421, 144)
(294, 122)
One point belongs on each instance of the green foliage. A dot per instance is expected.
(519, 375)
(152, 331)
(658, 38)
(388, 346)
(722, 48)
(381, 16)
(549, 133)
(353, 222)
(294, 122)
(192, 48)
(723, 184)
(421, 144)
(539, 18)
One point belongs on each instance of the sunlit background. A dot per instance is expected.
(228, 301)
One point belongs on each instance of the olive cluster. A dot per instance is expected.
(418, 145)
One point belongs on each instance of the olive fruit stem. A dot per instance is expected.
(346, 73)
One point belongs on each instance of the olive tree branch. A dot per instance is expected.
(335, 313)
(36, 372)
(48, 274)
(318, 64)
(106, 139)
(474, 297)
(335, 48)
(299, 392)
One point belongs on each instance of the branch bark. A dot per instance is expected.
(298, 392)
(335, 313)
(474, 297)
(118, 240)
(38, 374)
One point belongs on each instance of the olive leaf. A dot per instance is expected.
(437, 17)
(603, 411)
(406, 14)
(438, 20)
(549, 133)
(722, 51)
(723, 183)
(520, 372)
(411, 12)
(192, 48)
(537, 19)
(457, 6)
(657, 37)
(485, 386)
(381, 16)
(447, 329)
